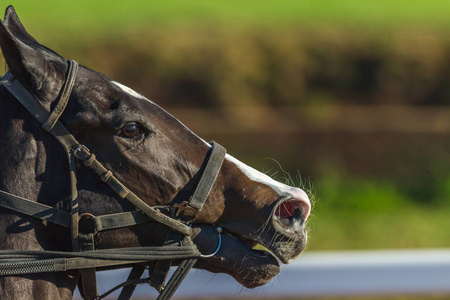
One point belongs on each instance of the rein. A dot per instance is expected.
(85, 258)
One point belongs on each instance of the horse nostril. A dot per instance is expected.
(286, 209)
(291, 213)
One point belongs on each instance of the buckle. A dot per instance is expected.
(185, 207)
(87, 224)
(79, 150)
(83, 153)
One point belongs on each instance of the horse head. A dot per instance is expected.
(153, 154)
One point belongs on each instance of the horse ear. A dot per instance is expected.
(34, 65)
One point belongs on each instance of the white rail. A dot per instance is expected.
(325, 274)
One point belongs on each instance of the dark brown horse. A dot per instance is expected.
(148, 150)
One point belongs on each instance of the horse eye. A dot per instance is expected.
(132, 130)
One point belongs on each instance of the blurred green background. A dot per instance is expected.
(347, 99)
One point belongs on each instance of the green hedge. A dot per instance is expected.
(224, 54)
(197, 66)
(257, 52)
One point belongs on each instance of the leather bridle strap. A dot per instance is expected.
(15, 262)
(51, 124)
(73, 147)
(201, 193)
(62, 218)
(89, 159)
(209, 176)
(75, 150)
(34, 209)
(66, 90)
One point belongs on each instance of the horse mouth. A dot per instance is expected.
(251, 264)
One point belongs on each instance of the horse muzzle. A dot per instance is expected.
(254, 259)
(250, 267)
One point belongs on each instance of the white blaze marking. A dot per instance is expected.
(279, 187)
(255, 175)
(130, 91)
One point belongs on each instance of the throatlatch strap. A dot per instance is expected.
(35, 209)
(33, 105)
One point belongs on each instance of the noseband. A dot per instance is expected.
(85, 258)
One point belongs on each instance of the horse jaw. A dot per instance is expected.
(251, 268)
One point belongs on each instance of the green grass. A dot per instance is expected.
(353, 213)
(87, 16)
(411, 227)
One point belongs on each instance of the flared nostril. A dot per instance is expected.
(292, 213)
(286, 209)
(299, 200)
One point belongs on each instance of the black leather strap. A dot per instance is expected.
(161, 269)
(64, 96)
(135, 275)
(209, 176)
(177, 278)
(14, 262)
(34, 209)
(91, 161)
(88, 280)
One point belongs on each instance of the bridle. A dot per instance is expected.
(84, 257)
